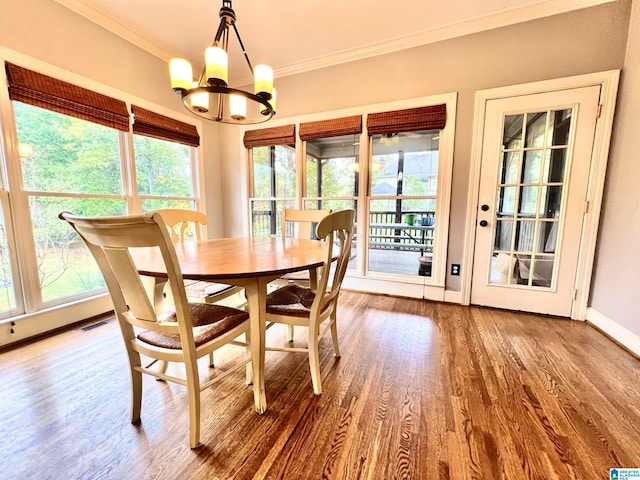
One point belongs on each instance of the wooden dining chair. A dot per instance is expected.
(316, 309)
(299, 224)
(183, 333)
(184, 224)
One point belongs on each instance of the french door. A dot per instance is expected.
(534, 174)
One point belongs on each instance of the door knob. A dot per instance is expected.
(483, 223)
(484, 207)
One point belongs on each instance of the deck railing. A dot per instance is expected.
(380, 238)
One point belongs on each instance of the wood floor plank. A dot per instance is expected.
(423, 390)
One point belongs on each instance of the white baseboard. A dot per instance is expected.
(624, 337)
(453, 297)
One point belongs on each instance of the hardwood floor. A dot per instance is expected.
(423, 391)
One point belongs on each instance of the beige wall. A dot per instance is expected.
(584, 41)
(616, 285)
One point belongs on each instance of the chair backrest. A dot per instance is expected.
(336, 229)
(180, 220)
(303, 221)
(110, 240)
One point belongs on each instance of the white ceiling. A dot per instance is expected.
(294, 36)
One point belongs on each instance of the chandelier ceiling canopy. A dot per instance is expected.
(211, 97)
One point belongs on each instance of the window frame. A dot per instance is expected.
(361, 279)
(32, 316)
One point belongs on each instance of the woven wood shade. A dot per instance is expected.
(47, 92)
(433, 117)
(151, 124)
(331, 128)
(265, 137)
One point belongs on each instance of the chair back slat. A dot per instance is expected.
(303, 221)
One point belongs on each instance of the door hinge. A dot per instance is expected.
(599, 111)
(575, 293)
(586, 207)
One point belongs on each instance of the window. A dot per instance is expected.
(273, 173)
(74, 155)
(404, 190)
(332, 167)
(396, 176)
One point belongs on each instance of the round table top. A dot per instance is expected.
(242, 257)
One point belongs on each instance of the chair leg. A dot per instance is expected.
(136, 395)
(334, 334)
(314, 360)
(193, 389)
(291, 330)
(211, 362)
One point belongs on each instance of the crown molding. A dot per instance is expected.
(541, 9)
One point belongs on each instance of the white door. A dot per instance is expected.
(536, 155)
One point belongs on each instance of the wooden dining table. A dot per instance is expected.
(247, 262)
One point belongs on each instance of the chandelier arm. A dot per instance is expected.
(246, 55)
(222, 28)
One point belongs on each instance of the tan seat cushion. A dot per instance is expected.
(209, 322)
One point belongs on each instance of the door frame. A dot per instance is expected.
(608, 81)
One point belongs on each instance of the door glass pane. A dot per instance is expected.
(507, 201)
(550, 203)
(525, 230)
(512, 136)
(532, 166)
(560, 123)
(504, 231)
(528, 201)
(555, 165)
(548, 237)
(536, 128)
(526, 256)
(510, 167)
(7, 293)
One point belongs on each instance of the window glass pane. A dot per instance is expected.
(162, 168)
(332, 166)
(405, 163)
(65, 154)
(66, 267)
(525, 231)
(266, 217)
(7, 293)
(274, 171)
(149, 204)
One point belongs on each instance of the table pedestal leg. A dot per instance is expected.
(256, 293)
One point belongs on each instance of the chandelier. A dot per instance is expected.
(211, 97)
